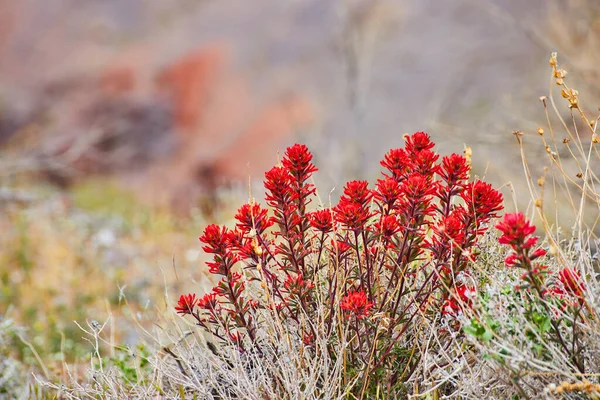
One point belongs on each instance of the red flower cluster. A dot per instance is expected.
(463, 296)
(353, 209)
(356, 304)
(297, 286)
(572, 282)
(322, 220)
(516, 231)
(186, 304)
(253, 217)
(454, 172)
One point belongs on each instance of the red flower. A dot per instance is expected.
(450, 307)
(397, 162)
(357, 192)
(340, 246)
(537, 253)
(357, 304)
(417, 193)
(571, 281)
(253, 217)
(296, 285)
(450, 230)
(515, 230)
(216, 239)
(297, 160)
(466, 294)
(186, 304)
(424, 163)
(454, 170)
(417, 142)
(511, 260)
(483, 200)
(278, 184)
(388, 192)
(321, 220)
(243, 245)
(353, 216)
(388, 226)
(208, 301)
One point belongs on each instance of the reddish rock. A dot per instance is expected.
(190, 81)
(255, 150)
(117, 80)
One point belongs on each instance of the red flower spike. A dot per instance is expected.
(186, 304)
(450, 230)
(571, 281)
(515, 229)
(278, 185)
(356, 303)
(321, 220)
(417, 142)
(208, 301)
(424, 163)
(242, 244)
(297, 160)
(216, 239)
(388, 226)
(351, 215)
(398, 163)
(454, 170)
(357, 192)
(417, 193)
(387, 192)
(483, 200)
(253, 217)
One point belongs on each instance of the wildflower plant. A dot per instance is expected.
(353, 280)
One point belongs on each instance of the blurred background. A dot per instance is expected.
(127, 125)
(175, 98)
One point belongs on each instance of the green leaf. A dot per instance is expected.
(479, 331)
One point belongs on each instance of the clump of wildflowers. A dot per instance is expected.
(380, 258)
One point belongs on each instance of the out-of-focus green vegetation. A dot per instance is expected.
(91, 253)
